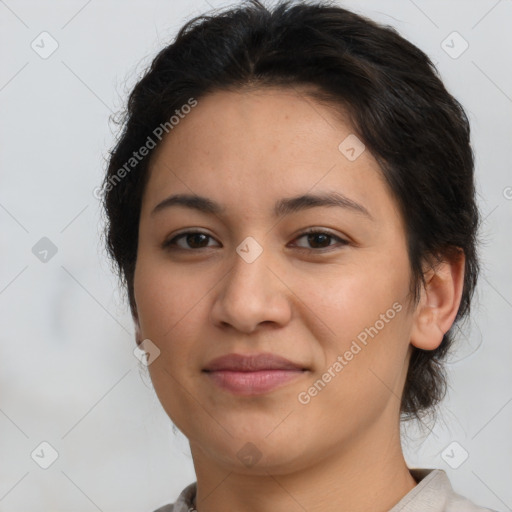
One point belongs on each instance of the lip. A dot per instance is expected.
(252, 374)
(252, 363)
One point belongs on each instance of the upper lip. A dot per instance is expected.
(248, 363)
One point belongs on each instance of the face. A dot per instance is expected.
(247, 279)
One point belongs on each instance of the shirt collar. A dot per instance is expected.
(429, 495)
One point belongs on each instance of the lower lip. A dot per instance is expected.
(253, 383)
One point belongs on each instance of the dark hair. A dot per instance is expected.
(396, 102)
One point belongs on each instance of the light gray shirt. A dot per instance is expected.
(433, 493)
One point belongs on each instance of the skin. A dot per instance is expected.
(341, 451)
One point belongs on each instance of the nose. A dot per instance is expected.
(252, 293)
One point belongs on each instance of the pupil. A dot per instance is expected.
(317, 235)
(195, 236)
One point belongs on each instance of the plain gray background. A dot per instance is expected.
(68, 375)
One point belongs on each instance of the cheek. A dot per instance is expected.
(166, 302)
(165, 298)
(364, 306)
(351, 298)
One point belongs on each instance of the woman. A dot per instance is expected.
(291, 207)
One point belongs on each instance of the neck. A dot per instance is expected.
(369, 473)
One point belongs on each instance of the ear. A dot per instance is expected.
(439, 302)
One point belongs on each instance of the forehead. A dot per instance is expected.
(248, 145)
(278, 119)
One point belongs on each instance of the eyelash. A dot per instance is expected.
(168, 244)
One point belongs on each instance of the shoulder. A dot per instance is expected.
(184, 501)
(457, 503)
(434, 492)
(166, 508)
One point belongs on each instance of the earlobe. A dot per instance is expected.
(439, 303)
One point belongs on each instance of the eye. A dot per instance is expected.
(194, 239)
(318, 237)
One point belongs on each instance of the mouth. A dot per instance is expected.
(252, 374)
(253, 383)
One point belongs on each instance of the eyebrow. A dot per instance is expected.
(284, 206)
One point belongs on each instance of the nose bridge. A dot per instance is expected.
(250, 292)
(249, 275)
